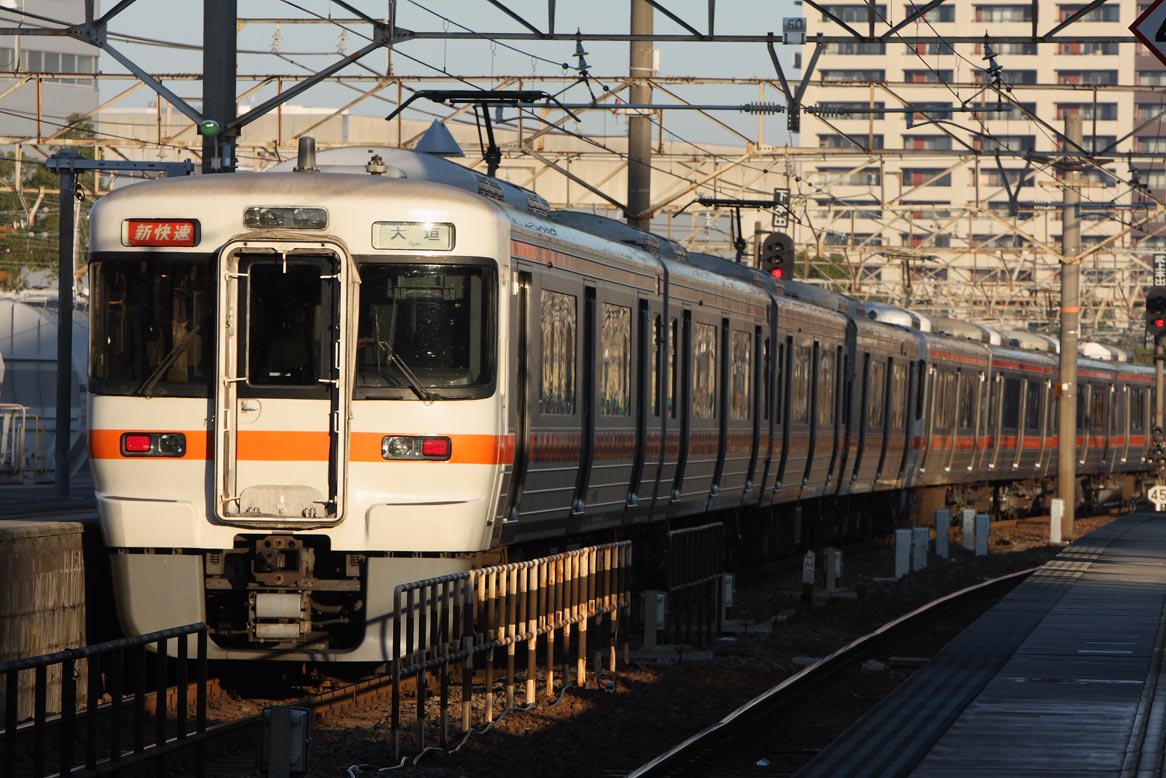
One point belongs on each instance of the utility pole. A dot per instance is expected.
(640, 127)
(219, 105)
(1070, 318)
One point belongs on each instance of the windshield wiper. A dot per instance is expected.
(146, 387)
(414, 382)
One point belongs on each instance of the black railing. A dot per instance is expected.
(99, 737)
(696, 566)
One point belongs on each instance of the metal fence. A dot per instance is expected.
(96, 737)
(449, 622)
(696, 565)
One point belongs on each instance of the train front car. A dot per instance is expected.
(296, 402)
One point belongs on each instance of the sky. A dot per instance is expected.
(299, 48)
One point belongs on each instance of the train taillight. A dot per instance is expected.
(153, 444)
(416, 447)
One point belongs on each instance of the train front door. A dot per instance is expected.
(281, 426)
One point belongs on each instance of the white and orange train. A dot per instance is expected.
(309, 386)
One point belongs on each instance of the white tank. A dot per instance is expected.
(28, 385)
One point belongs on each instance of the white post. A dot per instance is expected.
(833, 569)
(983, 530)
(920, 545)
(902, 552)
(1056, 511)
(942, 528)
(968, 539)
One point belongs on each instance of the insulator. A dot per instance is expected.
(763, 108)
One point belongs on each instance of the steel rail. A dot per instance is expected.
(811, 674)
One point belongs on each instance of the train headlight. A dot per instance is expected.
(416, 447)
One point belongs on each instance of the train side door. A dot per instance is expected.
(281, 429)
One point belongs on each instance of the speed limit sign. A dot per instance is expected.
(1157, 495)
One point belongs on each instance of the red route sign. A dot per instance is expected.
(1150, 29)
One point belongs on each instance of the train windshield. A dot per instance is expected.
(152, 328)
(426, 330)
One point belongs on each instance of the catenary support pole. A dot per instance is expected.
(219, 62)
(640, 125)
(1070, 319)
(68, 192)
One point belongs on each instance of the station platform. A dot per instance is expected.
(1063, 677)
(35, 501)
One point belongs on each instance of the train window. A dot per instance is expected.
(800, 386)
(740, 387)
(944, 398)
(673, 365)
(1097, 408)
(657, 359)
(766, 384)
(1082, 405)
(827, 381)
(558, 355)
(876, 395)
(435, 319)
(153, 326)
(1032, 397)
(285, 320)
(704, 371)
(966, 404)
(615, 369)
(1137, 410)
(898, 396)
(1011, 403)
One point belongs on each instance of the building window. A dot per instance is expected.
(704, 371)
(1007, 143)
(852, 109)
(33, 61)
(1003, 13)
(557, 395)
(1010, 76)
(740, 388)
(848, 48)
(1100, 111)
(1104, 77)
(929, 111)
(615, 378)
(1151, 78)
(927, 76)
(944, 13)
(934, 48)
(1091, 47)
(1144, 112)
(856, 13)
(835, 177)
(1104, 13)
(927, 142)
(1149, 144)
(925, 177)
(844, 142)
(1012, 48)
(852, 75)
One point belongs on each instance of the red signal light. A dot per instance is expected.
(1159, 323)
(777, 273)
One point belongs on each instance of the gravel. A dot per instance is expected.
(651, 704)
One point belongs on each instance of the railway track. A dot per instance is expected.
(774, 734)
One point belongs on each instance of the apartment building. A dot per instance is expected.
(940, 184)
(43, 79)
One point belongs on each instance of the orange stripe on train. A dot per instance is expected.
(289, 446)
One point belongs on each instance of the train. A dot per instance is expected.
(372, 366)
